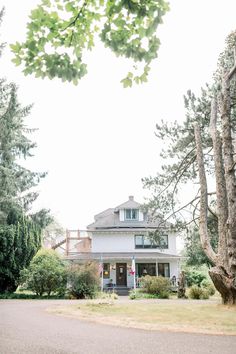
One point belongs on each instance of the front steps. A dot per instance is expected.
(119, 290)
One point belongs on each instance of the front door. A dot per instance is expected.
(121, 274)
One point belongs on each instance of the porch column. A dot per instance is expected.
(156, 269)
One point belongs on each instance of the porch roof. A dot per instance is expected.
(97, 256)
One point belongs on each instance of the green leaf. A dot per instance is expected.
(126, 82)
(16, 61)
(122, 26)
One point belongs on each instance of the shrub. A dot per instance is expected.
(194, 277)
(197, 293)
(108, 296)
(145, 283)
(83, 281)
(208, 285)
(133, 295)
(45, 274)
(156, 285)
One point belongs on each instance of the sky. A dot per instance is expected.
(96, 140)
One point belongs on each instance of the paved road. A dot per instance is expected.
(26, 328)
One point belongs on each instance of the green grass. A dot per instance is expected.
(20, 294)
(184, 316)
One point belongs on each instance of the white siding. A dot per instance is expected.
(124, 242)
(141, 215)
(122, 215)
(112, 242)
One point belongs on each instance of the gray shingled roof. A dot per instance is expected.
(109, 218)
(130, 204)
(120, 255)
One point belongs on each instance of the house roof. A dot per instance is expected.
(87, 256)
(130, 204)
(109, 218)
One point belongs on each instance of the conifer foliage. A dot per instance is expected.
(20, 233)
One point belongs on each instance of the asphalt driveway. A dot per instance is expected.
(26, 327)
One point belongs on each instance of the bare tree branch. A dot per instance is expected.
(182, 208)
(178, 170)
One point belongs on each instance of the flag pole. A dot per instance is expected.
(134, 273)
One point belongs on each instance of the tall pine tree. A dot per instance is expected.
(20, 233)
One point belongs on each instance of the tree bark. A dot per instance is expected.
(228, 153)
(203, 199)
(225, 284)
(221, 275)
(181, 286)
(221, 192)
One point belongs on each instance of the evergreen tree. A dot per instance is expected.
(193, 248)
(20, 239)
(15, 180)
(20, 235)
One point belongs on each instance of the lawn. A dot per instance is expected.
(177, 315)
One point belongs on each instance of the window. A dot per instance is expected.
(106, 270)
(131, 214)
(146, 269)
(164, 241)
(164, 269)
(147, 242)
(139, 241)
(142, 241)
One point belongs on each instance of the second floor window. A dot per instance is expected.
(142, 241)
(131, 214)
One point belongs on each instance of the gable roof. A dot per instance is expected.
(104, 213)
(130, 204)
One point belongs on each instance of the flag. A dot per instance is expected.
(133, 266)
(100, 267)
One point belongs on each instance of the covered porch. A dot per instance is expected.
(116, 269)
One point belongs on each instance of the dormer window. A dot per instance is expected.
(131, 214)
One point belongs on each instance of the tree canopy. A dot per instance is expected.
(45, 274)
(60, 32)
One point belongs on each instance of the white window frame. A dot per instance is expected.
(131, 212)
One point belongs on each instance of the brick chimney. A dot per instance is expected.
(131, 197)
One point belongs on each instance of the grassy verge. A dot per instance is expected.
(182, 316)
(27, 295)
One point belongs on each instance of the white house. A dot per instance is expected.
(122, 234)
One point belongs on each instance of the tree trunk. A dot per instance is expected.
(181, 286)
(224, 283)
(222, 274)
